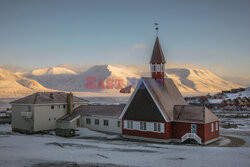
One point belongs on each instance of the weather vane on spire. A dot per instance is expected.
(156, 28)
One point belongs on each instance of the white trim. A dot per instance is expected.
(155, 102)
(130, 99)
(75, 118)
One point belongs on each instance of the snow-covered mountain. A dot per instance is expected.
(52, 71)
(190, 81)
(198, 81)
(12, 85)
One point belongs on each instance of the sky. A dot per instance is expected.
(214, 34)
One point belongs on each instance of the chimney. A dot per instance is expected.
(70, 103)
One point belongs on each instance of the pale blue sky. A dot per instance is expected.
(39, 33)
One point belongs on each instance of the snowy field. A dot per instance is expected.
(97, 149)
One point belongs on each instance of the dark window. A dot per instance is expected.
(96, 121)
(52, 107)
(143, 125)
(154, 68)
(105, 122)
(118, 123)
(157, 127)
(64, 106)
(88, 121)
(59, 106)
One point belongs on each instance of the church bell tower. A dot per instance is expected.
(157, 62)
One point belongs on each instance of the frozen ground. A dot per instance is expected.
(97, 149)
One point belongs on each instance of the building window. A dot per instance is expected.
(154, 68)
(130, 124)
(216, 126)
(59, 106)
(88, 121)
(143, 126)
(52, 107)
(64, 106)
(157, 127)
(118, 123)
(96, 121)
(212, 127)
(105, 122)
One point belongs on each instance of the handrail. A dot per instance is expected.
(191, 136)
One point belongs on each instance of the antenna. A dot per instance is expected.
(156, 28)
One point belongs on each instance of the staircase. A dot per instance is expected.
(191, 136)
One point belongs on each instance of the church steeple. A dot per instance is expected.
(157, 62)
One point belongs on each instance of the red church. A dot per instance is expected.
(156, 111)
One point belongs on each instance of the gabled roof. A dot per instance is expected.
(46, 98)
(165, 97)
(157, 55)
(193, 114)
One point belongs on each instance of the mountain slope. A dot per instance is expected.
(188, 80)
(196, 80)
(12, 85)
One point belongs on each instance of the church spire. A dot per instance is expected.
(157, 62)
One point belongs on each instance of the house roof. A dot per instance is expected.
(157, 55)
(166, 96)
(193, 114)
(100, 110)
(47, 98)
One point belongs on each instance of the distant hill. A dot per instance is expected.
(12, 85)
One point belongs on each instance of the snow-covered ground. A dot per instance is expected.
(29, 150)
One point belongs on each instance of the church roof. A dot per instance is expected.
(171, 104)
(157, 55)
(165, 96)
(193, 114)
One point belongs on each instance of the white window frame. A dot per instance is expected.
(216, 126)
(212, 127)
(143, 126)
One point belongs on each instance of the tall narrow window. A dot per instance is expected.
(212, 127)
(130, 124)
(105, 122)
(216, 126)
(143, 126)
(96, 121)
(154, 68)
(118, 123)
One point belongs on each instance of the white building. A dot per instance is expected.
(40, 111)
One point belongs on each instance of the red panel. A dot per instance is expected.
(211, 135)
(179, 129)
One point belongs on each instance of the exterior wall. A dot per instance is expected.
(211, 135)
(148, 134)
(179, 129)
(60, 124)
(19, 122)
(111, 128)
(45, 117)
